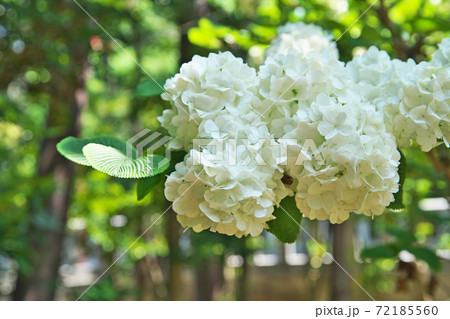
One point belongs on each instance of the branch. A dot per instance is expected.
(399, 45)
(414, 51)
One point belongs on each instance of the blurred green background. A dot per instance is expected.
(62, 226)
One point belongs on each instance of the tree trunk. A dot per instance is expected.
(342, 250)
(204, 281)
(46, 233)
(175, 280)
(241, 286)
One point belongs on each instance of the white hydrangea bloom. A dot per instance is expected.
(425, 109)
(341, 125)
(378, 78)
(230, 198)
(206, 88)
(441, 58)
(292, 81)
(356, 167)
(395, 86)
(304, 38)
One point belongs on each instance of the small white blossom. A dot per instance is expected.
(304, 38)
(441, 58)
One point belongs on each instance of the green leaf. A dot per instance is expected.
(111, 156)
(397, 204)
(382, 251)
(427, 255)
(72, 147)
(115, 162)
(286, 226)
(205, 35)
(150, 88)
(404, 236)
(175, 158)
(145, 186)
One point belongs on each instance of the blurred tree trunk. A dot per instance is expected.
(204, 282)
(341, 283)
(175, 280)
(241, 289)
(144, 280)
(209, 279)
(47, 229)
(241, 284)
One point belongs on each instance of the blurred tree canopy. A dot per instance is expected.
(72, 68)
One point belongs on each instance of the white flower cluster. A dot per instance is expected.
(305, 124)
(219, 88)
(291, 82)
(214, 98)
(356, 169)
(424, 110)
(304, 38)
(234, 199)
(415, 98)
(357, 166)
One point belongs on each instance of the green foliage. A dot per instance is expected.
(146, 185)
(214, 36)
(72, 147)
(403, 236)
(175, 158)
(206, 34)
(378, 252)
(428, 256)
(150, 88)
(397, 204)
(99, 198)
(112, 156)
(36, 90)
(102, 291)
(113, 162)
(286, 225)
(413, 21)
(405, 240)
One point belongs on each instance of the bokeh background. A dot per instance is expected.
(62, 226)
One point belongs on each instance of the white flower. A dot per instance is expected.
(373, 67)
(291, 82)
(304, 38)
(441, 58)
(425, 109)
(230, 198)
(356, 167)
(334, 119)
(305, 123)
(413, 98)
(378, 78)
(206, 88)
